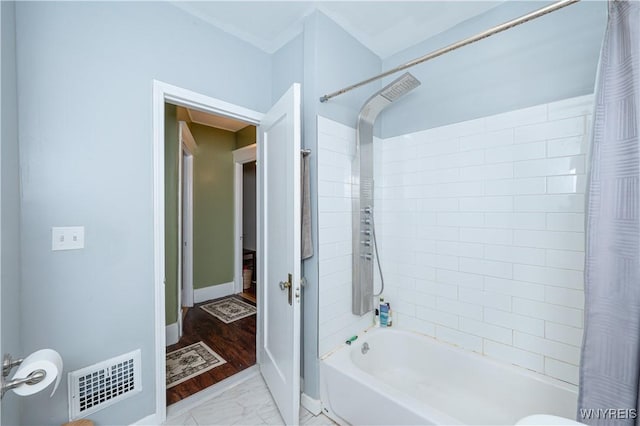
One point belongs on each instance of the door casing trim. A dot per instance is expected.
(168, 93)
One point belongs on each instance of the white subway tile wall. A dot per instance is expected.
(481, 229)
(336, 146)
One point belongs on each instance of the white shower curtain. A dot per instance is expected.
(610, 365)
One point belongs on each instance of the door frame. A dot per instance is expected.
(241, 156)
(168, 93)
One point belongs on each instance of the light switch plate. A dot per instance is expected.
(67, 238)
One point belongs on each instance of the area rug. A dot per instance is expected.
(190, 361)
(229, 310)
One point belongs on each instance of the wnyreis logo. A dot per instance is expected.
(608, 413)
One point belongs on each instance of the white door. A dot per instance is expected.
(180, 218)
(279, 252)
(187, 230)
(187, 149)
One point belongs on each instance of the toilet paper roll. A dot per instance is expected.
(44, 359)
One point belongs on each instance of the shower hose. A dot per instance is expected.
(375, 247)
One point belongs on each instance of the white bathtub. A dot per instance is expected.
(408, 378)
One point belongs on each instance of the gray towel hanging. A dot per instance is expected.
(305, 187)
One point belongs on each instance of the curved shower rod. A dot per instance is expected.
(487, 33)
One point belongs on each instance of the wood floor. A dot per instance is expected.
(235, 342)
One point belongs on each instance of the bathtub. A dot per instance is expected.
(408, 378)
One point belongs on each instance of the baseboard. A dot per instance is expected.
(213, 292)
(172, 334)
(314, 406)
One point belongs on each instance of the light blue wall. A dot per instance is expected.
(85, 107)
(341, 60)
(553, 57)
(287, 67)
(10, 202)
(332, 59)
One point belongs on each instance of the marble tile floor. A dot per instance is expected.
(248, 403)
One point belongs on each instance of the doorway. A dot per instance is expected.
(245, 231)
(249, 230)
(216, 319)
(278, 245)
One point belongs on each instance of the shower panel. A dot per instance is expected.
(363, 223)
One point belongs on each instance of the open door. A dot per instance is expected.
(180, 236)
(188, 148)
(279, 252)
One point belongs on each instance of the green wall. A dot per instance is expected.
(171, 144)
(212, 206)
(246, 136)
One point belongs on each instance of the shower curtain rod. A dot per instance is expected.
(487, 33)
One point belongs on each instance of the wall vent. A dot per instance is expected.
(100, 385)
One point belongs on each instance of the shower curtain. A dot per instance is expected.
(610, 365)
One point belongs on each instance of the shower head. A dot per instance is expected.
(400, 87)
(388, 94)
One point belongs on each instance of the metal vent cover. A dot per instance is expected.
(100, 385)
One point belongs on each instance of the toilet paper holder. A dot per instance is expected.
(8, 364)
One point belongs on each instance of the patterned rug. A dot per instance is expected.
(188, 362)
(229, 310)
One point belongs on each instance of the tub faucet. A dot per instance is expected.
(365, 348)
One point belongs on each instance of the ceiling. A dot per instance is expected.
(216, 121)
(385, 27)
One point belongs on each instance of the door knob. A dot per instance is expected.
(284, 285)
